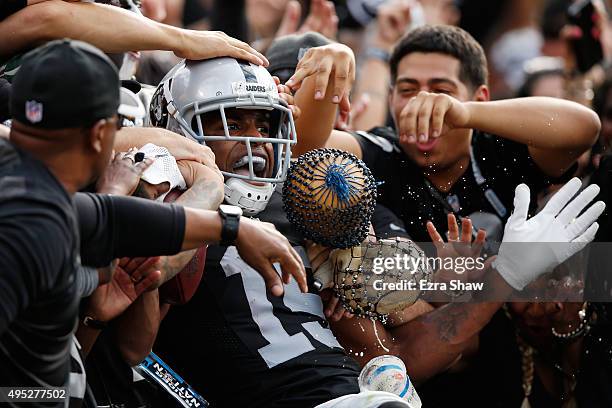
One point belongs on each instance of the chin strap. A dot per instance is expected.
(251, 198)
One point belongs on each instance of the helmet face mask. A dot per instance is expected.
(281, 135)
(193, 90)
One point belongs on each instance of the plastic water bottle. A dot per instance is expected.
(388, 373)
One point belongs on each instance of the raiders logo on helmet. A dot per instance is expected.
(158, 112)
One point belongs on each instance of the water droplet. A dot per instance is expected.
(378, 338)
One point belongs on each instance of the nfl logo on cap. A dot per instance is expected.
(34, 111)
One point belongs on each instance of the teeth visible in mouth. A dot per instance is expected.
(259, 163)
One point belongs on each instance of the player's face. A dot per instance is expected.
(436, 73)
(231, 156)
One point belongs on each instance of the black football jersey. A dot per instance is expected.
(497, 166)
(239, 346)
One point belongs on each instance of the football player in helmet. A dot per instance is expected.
(267, 351)
(235, 109)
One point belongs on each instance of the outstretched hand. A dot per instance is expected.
(556, 233)
(131, 278)
(460, 244)
(199, 45)
(329, 62)
(261, 246)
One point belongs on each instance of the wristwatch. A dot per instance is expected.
(230, 220)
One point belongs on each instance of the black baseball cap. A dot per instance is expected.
(64, 84)
(285, 52)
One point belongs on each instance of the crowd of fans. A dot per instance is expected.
(470, 112)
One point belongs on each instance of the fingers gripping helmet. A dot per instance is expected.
(193, 88)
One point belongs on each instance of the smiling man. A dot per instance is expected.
(234, 156)
(454, 150)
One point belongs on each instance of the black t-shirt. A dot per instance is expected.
(501, 165)
(38, 258)
(239, 346)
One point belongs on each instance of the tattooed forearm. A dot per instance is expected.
(448, 321)
(172, 265)
(458, 322)
(203, 194)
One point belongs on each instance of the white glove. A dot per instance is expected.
(521, 264)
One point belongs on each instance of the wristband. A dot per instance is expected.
(92, 323)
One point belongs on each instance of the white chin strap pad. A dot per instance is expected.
(251, 198)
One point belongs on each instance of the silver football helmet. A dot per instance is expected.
(194, 88)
